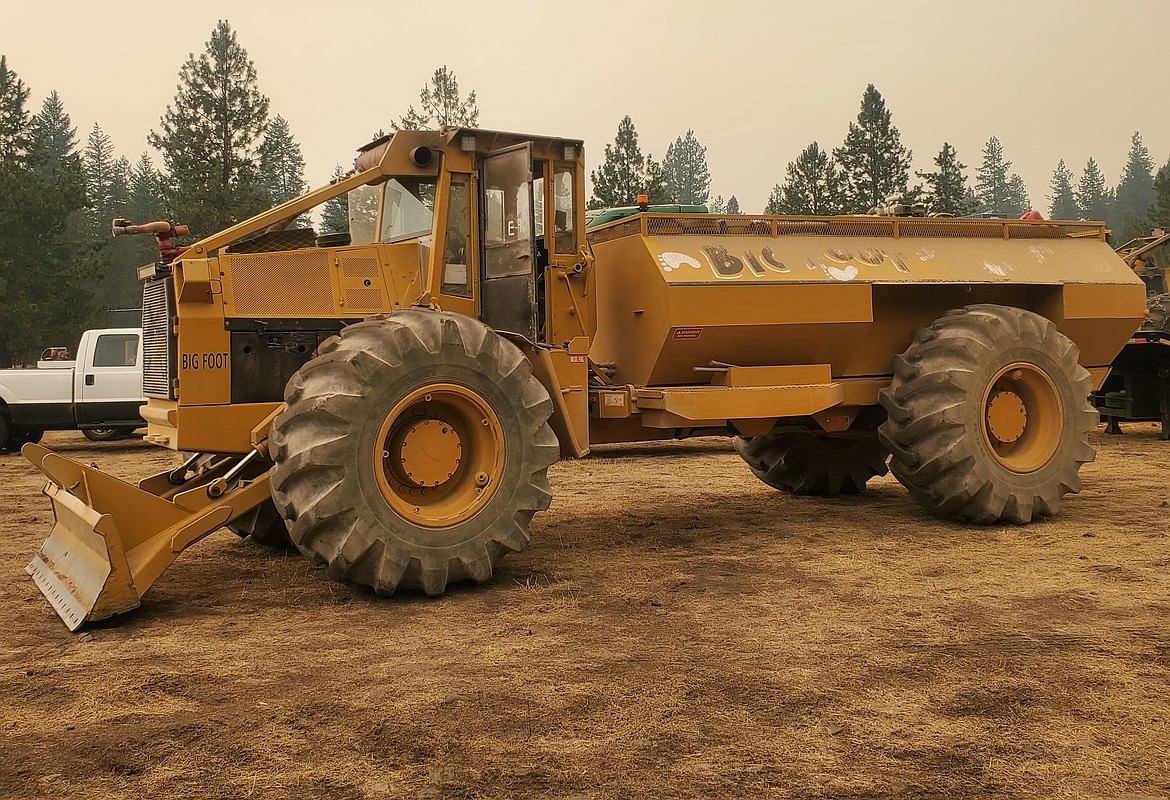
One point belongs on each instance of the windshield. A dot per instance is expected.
(406, 209)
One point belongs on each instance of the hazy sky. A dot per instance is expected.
(757, 81)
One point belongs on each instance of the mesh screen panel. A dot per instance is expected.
(363, 299)
(359, 267)
(883, 227)
(293, 284)
(630, 227)
(288, 239)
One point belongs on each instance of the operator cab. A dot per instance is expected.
(491, 212)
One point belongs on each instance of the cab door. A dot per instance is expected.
(507, 296)
(109, 378)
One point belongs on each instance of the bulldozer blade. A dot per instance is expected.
(81, 568)
(110, 540)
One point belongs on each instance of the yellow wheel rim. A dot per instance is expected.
(439, 455)
(1022, 417)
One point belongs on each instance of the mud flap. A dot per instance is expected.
(110, 540)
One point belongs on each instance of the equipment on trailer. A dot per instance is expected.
(1138, 386)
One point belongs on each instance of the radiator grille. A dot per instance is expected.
(158, 343)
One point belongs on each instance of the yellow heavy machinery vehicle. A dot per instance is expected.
(391, 398)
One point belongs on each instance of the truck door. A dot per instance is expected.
(507, 296)
(109, 377)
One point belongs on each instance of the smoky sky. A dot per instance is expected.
(756, 81)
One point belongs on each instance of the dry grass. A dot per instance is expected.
(675, 630)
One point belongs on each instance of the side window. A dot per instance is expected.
(565, 213)
(507, 197)
(538, 204)
(116, 350)
(455, 279)
(494, 225)
(363, 214)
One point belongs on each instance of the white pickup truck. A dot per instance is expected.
(99, 393)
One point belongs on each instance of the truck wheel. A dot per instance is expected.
(988, 416)
(24, 436)
(813, 463)
(413, 452)
(7, 441)
(103, 434)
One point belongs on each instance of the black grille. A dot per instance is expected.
(158, 342)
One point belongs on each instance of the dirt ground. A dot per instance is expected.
(676, 629)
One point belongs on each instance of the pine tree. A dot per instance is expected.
(209, 137)
(733, 205)
(688, 179)
(625, 172)
(282, 168)
(1062, 203)
(98, 166)
(947, 190)
(120, 287)
(13, 116)
(1018, 199)
(1093, 196)
(1135, 190)
(441, 105)
(52, 147)
(875, 164)
(335, 212)
(717, 206)
(46, 269)
(812, 185)
(119, 187)
(656, 190)
(143, 204)
(1159, 212)
(146, 188)
(997, 190)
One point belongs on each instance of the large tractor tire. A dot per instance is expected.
(413, 453)
(265, 525)
(988, 416)
(813, 463)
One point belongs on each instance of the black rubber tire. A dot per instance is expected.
(324, 481)
(265, 525)
(813, 463)
(934, 407)
(14, 437)
(103, 434)
(23, 436)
